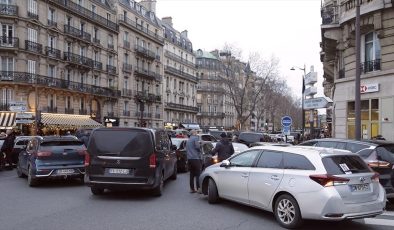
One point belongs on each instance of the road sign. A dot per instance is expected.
(24, 121)
(18, 106)
(24, 115)
(286, 130)
(286, 121)
(317, 103)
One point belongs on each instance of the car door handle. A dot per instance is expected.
(274, 177)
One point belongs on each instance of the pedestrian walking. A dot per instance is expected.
(7, 147)
(224, 148)
(85, 138)
(193, 150)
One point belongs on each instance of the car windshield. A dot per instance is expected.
(337, 165)
(386, 153)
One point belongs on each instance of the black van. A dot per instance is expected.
(129, 158)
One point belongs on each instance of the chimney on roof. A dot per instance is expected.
(184, 33)
(167, 20)
(150, 5)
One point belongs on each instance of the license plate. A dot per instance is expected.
(359, 187)
(119, 171)
(65, 171)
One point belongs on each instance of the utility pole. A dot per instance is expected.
(358, 73)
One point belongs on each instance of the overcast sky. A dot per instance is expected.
(287, 29)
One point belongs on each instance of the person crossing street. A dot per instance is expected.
(193, 150)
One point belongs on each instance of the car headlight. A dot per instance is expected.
(215, 159)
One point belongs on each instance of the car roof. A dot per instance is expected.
(307, 150)
(368, 142)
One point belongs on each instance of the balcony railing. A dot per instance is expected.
(6, 9)
(144, 52)
(341, 73)
(127, 93)
(52, 52)
(111, 69)
(83, 112)
(136, 27)
(211, 114)
(33, 46)
(180, 73)
(329, 15)
(182, 107)
(179, 59)
(78, 59)
(127, 67)
(206, 88)
(52, 23)
(147, 74)
(81, 11)
(96, 41)
(126, 113)
(145, 114)
(77, 33)
(32, 15)
(97, 65)
(146, 97)
(49, 109)
(69, 111)
(9, 42)
(370, 66)
(35, 79)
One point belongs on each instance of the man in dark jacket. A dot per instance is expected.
(224, 148)
(7, 147)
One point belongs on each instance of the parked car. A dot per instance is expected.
(208, 159)
(51, 157)
(181, 154)
(129, 158)
(250, 137)
(297, 183)
(378, 154)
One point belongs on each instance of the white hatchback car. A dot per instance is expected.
(297, 183)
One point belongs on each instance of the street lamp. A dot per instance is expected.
(302, 98)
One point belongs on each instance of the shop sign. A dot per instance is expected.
(18, 106)
(369, 88)
(24, 121)
(24, 115)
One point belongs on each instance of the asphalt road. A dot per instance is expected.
(69, 205)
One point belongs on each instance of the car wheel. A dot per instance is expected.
(158, 191)
(19, 171)
(213, 196)
(287, 212)
(97, 191)
(174, 174)
(30, 180)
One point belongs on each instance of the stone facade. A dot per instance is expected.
(377, 62)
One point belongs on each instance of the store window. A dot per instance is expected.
(369, 119)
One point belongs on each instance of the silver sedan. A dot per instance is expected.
(297, 183)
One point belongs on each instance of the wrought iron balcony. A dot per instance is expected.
(181, 107)
(68, 111)
(97, 65)
(139, 72)
(138, 28)
(49, 109)
(111, 69)
(213, 89)
(52, 52)
(145, 97)
(144, 52)
(35, 79)
(78, 59)
(126, 113)
(83, 112)
(96, 41)
(83, 12)
(77, 33)
(32, 15)
(52, 23)
(211, 114)
(144, 115)
(329, 15)
(33, 46)
(370, 66)
(10, 10)
(127, 67)
(9, 42)
(127, 93)
(180, 73)
(179, 59)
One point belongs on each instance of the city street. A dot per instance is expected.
(69, 205)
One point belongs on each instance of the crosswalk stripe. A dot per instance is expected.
(377, 221)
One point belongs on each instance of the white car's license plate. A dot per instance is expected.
(359, 187)
(118, 171)
(65, 171)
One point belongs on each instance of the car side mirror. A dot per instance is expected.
(225, 163)
(173, 147)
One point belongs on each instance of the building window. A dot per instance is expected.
(68, 102)
(52, 42)
(51, 16)
(32, 35)
(95, 80)
(51, 71)
(32, 7)
(370, 122)
(126, 106)
(7, 64)
(371, 52)
(6, 95)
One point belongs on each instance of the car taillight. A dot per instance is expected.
(378, 164)
(152, 161)
(328, 180)
(43, 154)
(375, 177)
(87, 159)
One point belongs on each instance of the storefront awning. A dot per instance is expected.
(69, 120)
(190, 126)
(7, 120)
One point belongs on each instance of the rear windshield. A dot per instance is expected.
(133, 143)
(386, 153)
(336, 165)
(56, 145)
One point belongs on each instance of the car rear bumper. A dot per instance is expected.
(54, 173)
(112, 183)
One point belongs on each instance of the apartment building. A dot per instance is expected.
(180, 84)
(60, 57)
(377, 61)
(140, 49)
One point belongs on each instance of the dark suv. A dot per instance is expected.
(129, 158)
(379, 155)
